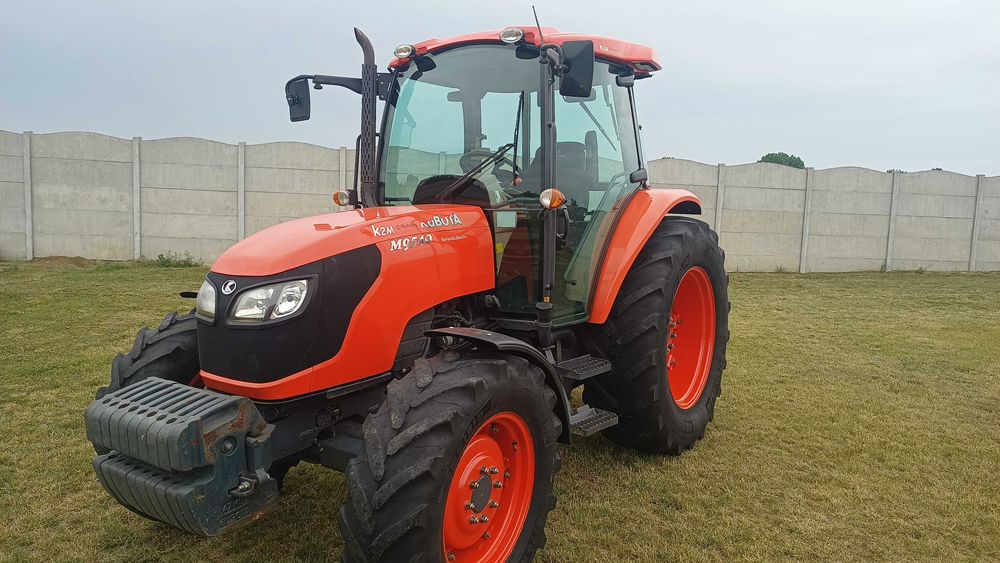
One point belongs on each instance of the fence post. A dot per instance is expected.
(29, 230)
(241, 191)
(892, 221)
(136, 200)
(806, 212)
(720, 190)
(975, 222)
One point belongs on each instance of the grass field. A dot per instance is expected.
(859, 420)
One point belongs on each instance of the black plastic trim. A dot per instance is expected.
(517, 347)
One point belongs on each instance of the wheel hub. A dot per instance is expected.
(690, 337)
(490, 492)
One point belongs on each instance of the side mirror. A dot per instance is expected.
(578, 80)
(297, 95)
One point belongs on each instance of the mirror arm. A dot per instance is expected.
(352, 84)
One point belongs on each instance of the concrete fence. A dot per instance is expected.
(94, 196)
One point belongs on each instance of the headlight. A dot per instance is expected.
(206, 302)
(270, 302)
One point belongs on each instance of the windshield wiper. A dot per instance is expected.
(454, 186)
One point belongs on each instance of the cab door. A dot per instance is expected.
(597, 149)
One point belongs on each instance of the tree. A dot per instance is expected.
(782, 158)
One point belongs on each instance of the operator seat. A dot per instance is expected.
(474, 192)
(576, 176)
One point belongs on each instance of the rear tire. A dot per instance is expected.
(663, 409)
(170, 351)
(410, 492)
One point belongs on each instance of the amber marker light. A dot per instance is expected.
(552, 198)
(342, 198)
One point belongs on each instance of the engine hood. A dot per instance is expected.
(295, 243)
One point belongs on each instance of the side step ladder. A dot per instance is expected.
(583, 367)
(587, 420)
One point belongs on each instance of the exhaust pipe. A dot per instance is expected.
(366, 141)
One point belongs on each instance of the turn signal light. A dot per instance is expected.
(552, 198)
(342, 198)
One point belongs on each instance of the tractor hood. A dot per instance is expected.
(296, 243)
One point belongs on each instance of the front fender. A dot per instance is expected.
(637, 222)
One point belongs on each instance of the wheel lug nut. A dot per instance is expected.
(506, 474)
(483, 470)
(486, 536)
(469, 505)
(494, 471)
(451, 556)
(494, 504)
(474, 485)
(484, 519)
(498, 484)
(494, 428)
(473, 520)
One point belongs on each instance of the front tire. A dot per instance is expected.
(458, 464)
(666, 338)
(170, 351)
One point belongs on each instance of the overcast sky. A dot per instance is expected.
(883, 84)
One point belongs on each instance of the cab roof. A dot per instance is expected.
(640, 58)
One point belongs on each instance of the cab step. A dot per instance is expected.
(583, 367)
(588, 421)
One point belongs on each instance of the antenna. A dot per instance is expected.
(541, 39)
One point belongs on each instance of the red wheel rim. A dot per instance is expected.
(691, 338)
(490, 492)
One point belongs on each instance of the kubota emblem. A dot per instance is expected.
(229, 287)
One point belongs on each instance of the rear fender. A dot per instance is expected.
(517, 347)
(637, 222)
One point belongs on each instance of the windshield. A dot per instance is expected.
(451, 117)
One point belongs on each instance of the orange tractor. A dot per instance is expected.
(501, 249)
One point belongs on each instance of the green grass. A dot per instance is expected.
(860, 420)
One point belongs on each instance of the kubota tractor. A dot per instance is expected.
(501, 249)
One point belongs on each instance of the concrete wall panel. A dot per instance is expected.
(286, 181)
(938, 182)
(763, 199)
(11, 144)
(933, 228)
(186, 225)
(930, 205)
(294, 156)
(849, 225)
(77, 145)
(12, 194)
(684, 172)
(774, 222)
(281, 205)
(188, 176)
(82, 198)
(80, 173)
(852, 179)
(858, 203)
(11, 168)
(765, 175)
(188, 150)
(193, 202)
(11, 220)
(12, 246)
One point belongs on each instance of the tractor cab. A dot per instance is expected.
(451, 118)
(477, 120)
